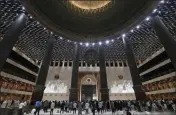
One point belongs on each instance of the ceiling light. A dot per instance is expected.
(87, 44)
(154, 10)
(68, 40)
(23, 8)
(107, 42)
(51, 32)
(123, 35)
(90, 4)
(148, 18)
(100, 43)
(132, 30)
(44, 28)
(80, 43)
(31, 17)
(93, 44)
(138, 26)
(112, 40)
(162, 1)
(61, 38)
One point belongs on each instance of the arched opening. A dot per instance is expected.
(89, 88)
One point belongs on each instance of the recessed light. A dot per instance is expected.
(154, 10)
(87, 44)
(123, 35)
(138, 26)
(107, 42)
(148, 18)
(100, 43)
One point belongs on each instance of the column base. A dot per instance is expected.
(73, 96)
(37, 94)
(104, 94)
(139, 93)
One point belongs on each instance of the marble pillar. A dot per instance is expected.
(103, 76)
(137, 84)
(165, 38)
(74, 90)
(11, 37)
(42, 76)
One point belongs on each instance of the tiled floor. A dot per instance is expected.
(109, 113)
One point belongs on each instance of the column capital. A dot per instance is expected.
(104, 91)
(73, 94)
(73, 90)
(138, 88)
(39, 88)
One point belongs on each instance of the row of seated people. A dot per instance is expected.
(159, 96)
(11, 96)
(12, 84)
(160, 85)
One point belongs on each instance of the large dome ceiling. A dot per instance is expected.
(89, 20)
(33, 39)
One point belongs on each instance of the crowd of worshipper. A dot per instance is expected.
(16, 107)
(101, 107)
(91, 107)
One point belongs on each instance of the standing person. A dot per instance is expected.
(93, 106)
(97, 106)
(45, 106)
(74, 107)
(112, 107)
(21, 106)
(80, 108)
(148, 105)
(66, 106)
(104, 106)
(62, 107)
(100, 106)
(70, 107)
(37, 106)
(87, 107)
(52, 107)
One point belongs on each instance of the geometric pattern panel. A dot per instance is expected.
(34, 37)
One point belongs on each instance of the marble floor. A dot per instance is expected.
(109, 113)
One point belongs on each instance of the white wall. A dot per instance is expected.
(112, 75)
(53, 97)
(121, 96)
(114, 72)
(65, 76)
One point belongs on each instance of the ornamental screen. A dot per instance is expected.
(122, 86)
(55, 86)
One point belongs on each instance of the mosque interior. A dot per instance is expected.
(87, 49)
